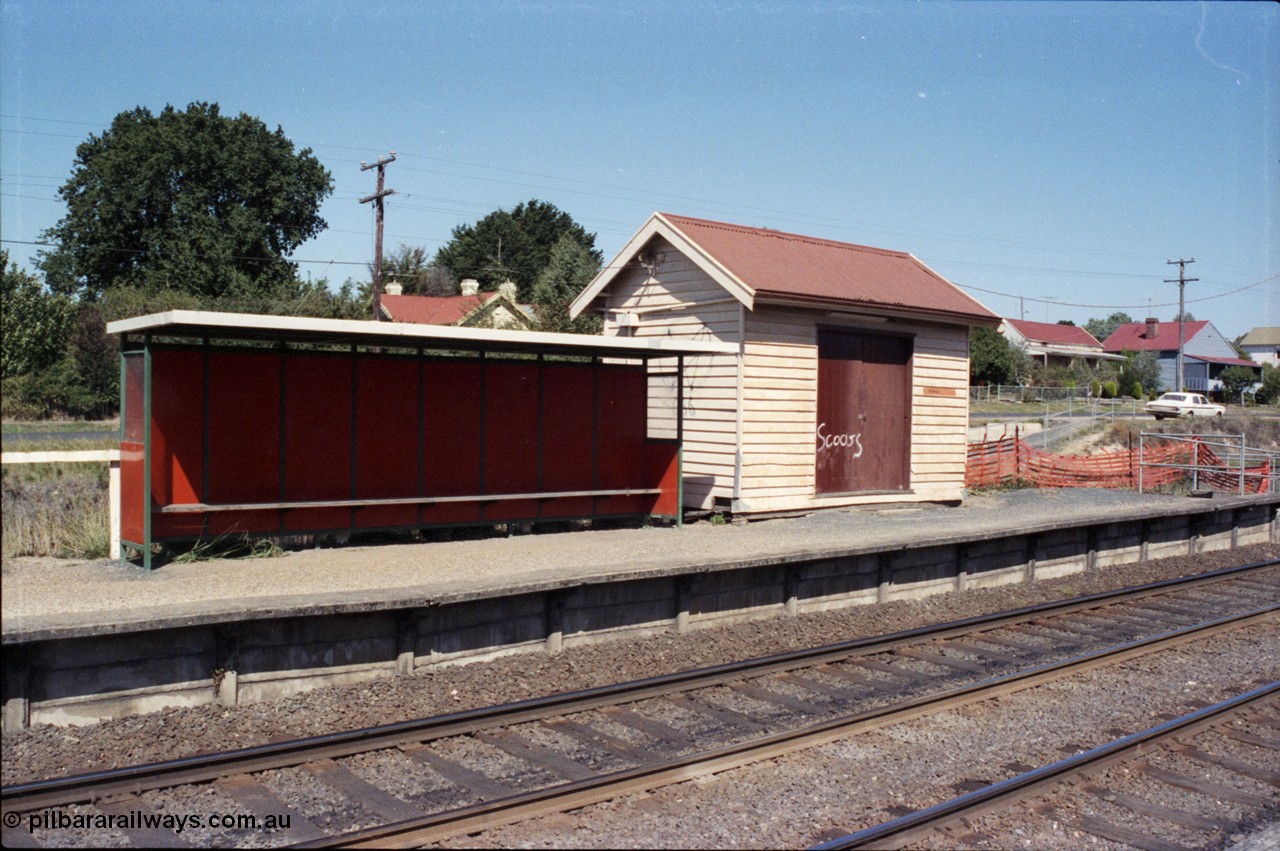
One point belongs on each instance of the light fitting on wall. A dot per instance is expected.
(648, 261)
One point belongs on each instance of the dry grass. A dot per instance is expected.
(1261, 431)
(63, 515)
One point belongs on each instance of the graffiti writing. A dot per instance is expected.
(851, 441)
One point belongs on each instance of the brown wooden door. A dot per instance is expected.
(863, 439)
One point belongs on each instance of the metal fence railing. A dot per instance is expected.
(1216, 462)
(1024, 393)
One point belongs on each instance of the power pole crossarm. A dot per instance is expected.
(376, 197)
(1182, 280)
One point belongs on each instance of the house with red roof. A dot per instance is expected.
(471, 308)
(1205, 352)
(850, 384)
(1055, 345)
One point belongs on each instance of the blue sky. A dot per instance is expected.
(1057, 152)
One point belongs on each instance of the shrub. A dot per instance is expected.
(1109, 390)
(1269, 393)
(1095, 389)
(1136, 390)
(1234, 380)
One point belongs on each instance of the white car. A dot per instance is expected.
(1183, 405)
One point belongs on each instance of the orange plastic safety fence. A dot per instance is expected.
(1009, 460)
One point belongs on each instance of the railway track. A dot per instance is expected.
(1193, 744)
(419, 781)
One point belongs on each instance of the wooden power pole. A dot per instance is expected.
(376, 198)
(1182, 280)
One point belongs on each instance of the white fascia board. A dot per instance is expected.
(657, 225)
(174, 321)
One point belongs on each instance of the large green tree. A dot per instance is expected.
(512, 244)
(1101, 329)
(993, 359)
(568, 272)
(187, 200)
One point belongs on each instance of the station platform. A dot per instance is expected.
(84, 640)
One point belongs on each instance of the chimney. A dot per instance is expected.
(508, 289)
(1153, 327)
(470, 286)
(393, 288)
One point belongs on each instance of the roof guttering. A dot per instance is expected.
(947, 317)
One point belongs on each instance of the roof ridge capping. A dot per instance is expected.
(777, 234)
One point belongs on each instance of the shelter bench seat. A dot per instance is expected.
(202, 508)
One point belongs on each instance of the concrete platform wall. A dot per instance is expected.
(83, 677)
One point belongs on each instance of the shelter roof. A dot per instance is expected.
(1059, 335)
(1262, 337)
(200, 324)
(1133, 336)
(755, 264)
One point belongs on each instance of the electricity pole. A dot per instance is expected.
(1182, 280)
(376, 198)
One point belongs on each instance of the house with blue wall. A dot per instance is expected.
(1205, 352)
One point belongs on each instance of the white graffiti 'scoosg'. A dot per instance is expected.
(829, 441)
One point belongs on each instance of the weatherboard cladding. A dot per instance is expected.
(778, 264)
(749, 424)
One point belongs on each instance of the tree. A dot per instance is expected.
(513, 245)
(1140, 369)
(185, 200)
(1101, 329)
(34, 324)
(1236, 379)
(992, 359)
(1269, 393)
(566, 274)
(410, 267)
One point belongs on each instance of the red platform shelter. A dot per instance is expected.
(278, 426)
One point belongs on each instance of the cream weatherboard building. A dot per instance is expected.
(850, 381)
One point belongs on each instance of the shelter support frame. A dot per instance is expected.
(152, 514)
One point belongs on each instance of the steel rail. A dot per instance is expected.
(207, 767)
(566, 796)
(915, 826)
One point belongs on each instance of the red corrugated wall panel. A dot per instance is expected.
(451, 448)
(244, 438)
(622, 411)
(510, 436)
(567, 437)
(387, 408)
(317, 438)
(177, 436)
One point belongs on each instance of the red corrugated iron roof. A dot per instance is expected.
(1058, 335)
(1133, 337)
(432, 310)
(774, 263)
(1227, 361)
